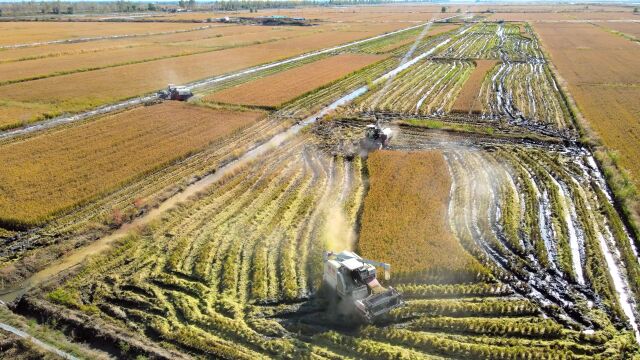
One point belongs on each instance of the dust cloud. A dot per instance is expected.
(338, 234)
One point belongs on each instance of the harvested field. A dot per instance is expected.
(603, 75)
(73, 165)
(428, 88)
(274, 90)
(192, 230)
(630, 29)
(406, 39)
(467, 100)
(249, 250)
(14, 33)
(405, 218)
(80, 91)
(528, 209)
(527, 91)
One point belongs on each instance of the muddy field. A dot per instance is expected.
(198, 229)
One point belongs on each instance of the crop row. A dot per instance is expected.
(429, 87)
(211, 276)
(491, 41)
(256, 237)
(525, 91)
(535, 212)
(478, 42)
(520, 88)
(133, 198)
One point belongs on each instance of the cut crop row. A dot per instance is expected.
(429, 87)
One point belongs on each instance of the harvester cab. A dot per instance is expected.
(173, 92)
(375, 137)
(350, 278)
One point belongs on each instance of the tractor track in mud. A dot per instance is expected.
(544, 287)
(557, 296)
(499, 123)
(339, 136)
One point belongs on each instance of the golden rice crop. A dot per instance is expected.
(405, 211)
(54, 171)
(277, 89)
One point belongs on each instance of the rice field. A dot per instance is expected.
(429, 88)
(226, 273)
(275, 90)
(600, 70)
(82, 90)
(415, 185)
(16, 33)
(467, 100)
(198, 229)
(71, 166)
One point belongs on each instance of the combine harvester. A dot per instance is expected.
(351, 281)
(173, 92)
(376, 137)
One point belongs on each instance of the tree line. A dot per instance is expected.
(34, 8)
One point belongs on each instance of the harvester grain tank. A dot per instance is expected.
(352, 279)
(173, 92)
